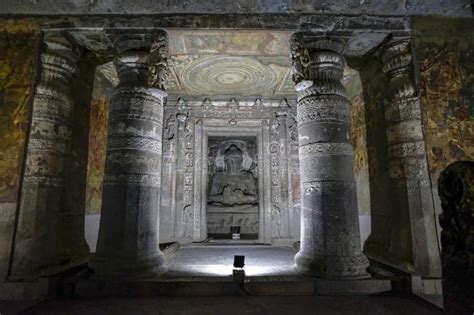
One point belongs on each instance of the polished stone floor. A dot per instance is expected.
(229, 305)
(216, 260)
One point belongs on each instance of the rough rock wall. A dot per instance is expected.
(18, 50)
(445, 52)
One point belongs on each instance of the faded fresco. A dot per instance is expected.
(446, 64)
(17, 67)
(18, 51)
(353, 84)
(99, 115)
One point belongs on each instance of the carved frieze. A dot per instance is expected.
(316, 149)
(158, 73)
(50, 134)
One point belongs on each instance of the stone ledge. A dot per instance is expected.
(224, 286)
(352, 287)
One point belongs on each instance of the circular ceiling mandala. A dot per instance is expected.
(229, 75)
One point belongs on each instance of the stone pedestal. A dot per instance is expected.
(48, 234)
(127, 246)
(408, 168)
(330, 241)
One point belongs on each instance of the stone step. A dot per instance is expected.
(226, 287)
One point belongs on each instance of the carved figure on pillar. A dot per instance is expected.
(41, 240)
(128, 239)
(408, 167)
(330, 240)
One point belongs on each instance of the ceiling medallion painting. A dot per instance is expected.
(230, 75)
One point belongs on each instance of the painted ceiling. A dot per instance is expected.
(230, 63)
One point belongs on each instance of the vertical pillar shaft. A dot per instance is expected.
(408, 166)
(46, 235)
(330, 239)
(128, 239)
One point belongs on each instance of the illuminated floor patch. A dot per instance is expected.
(217, 261)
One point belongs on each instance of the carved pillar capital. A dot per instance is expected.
(316, 56)
(397, 61)
(59, 58)
(142, 58)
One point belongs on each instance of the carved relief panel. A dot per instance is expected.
(265, 142)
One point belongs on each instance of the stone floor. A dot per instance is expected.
(216, 260)
(228, 305)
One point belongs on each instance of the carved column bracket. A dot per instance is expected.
(330, 241)
(127, 246)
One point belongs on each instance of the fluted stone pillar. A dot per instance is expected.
(330, 240)
(127, 246)
(408, 166)
(48, 234)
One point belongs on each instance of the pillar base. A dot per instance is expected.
(129, 269)
(332, 267)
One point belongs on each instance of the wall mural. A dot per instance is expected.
(446, 60)
(17, 71)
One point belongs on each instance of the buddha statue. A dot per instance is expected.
(233, 183)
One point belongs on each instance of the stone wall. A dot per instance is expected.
(445, 52)
(18, 50)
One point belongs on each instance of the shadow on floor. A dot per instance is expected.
(385, 304)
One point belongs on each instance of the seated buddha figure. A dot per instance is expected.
(233, 184)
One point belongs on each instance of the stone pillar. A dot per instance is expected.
(330, 241)
(48, 234)
(408, 166)
(127, 246)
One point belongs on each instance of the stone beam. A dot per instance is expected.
(147, 7)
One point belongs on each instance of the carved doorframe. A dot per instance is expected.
(220, 127)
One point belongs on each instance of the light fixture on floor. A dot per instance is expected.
(238, 274)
